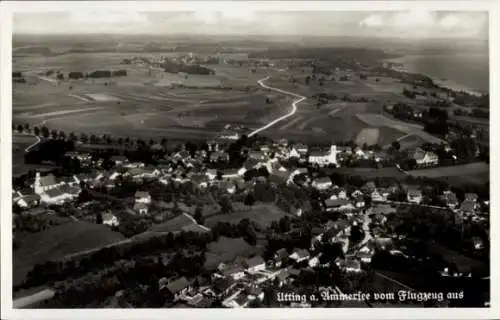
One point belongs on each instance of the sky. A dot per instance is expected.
(420, 24)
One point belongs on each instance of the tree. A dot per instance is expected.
(45, 132)
(27, 127)
(249, 199)
(36, 131)
(284, 224)
(226, 205)
(84, 138)
(356, 234)
(99, 218)
(72, 136)
(54, 134)
(20, 128)
(396, 145)
(198, 215)
(62, 135)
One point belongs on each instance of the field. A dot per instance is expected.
(144, 103)
(57, 242)
(371, 173)
(19, 144)
(226, 250)
(262, 214)
(477, 173)
(466, 169)
(148, 103)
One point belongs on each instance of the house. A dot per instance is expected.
(26, 200)
(110, 219)
(450, 198)
(132, 165)
(222, 287)
(342, 194)
(301, 148)
(239, 301)
(350, 265)
(235, 272)
(254, 264)
(471, 197)
(356, 193)
(370, 187)
(323, 158)
(114, 176)
(283, 277)
(414, 195)
(176, 288)
(314, 261)
(359, 202)
(279, 256)
(211, 174)
(299, 255)
(257, 155)
(425, 158)
(468, 207)
(142, 197)
(360, 153)
(254, 293)
(230, 173)
(377, 196)
(322, 183)
(293, 153)
(364, 256)
(141, 208)
(118, 160)
(338, 204)
(218, 156)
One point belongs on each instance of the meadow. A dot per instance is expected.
(477, 173)
(57, 242)
(226, 250)
(262, 214)
(149, 103)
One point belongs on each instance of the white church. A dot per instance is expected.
(52, 191)
(324, 158)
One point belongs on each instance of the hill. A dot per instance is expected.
(57, 242)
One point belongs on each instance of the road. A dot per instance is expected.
(37, 138)
(195, 222)
(286, 116)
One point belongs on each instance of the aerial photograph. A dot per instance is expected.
(250, 159)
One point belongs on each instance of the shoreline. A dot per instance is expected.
(443, 83)
(397, 65)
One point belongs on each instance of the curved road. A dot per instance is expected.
(291, 113)
(37, 138)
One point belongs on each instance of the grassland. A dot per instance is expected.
(262, 214)
(57, 242)
(19, 144)
(226, 250)
(142, 104)
(370, 173)
(148, 103)
(472, 173)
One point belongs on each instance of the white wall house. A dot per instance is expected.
(142, 197)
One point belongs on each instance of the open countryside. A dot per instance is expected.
(161, 171)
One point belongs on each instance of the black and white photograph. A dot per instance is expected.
(244, 157)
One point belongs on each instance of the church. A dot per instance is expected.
(52, 191)
(324, 158)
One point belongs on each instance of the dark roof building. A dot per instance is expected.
(178, 285)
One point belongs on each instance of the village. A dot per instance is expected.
(348, 221)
